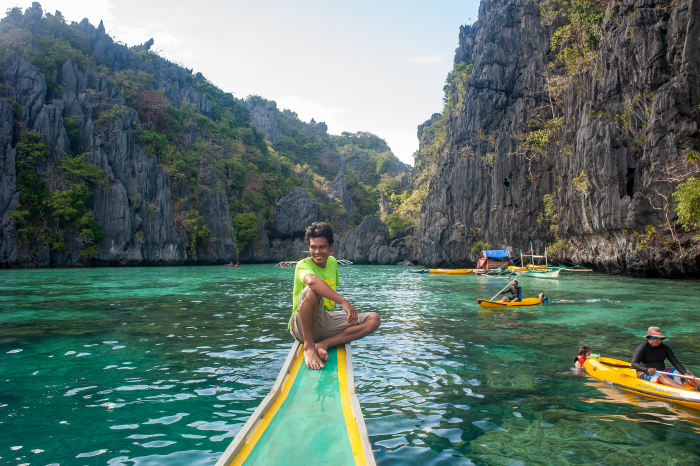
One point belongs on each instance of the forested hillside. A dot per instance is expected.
(115, 155)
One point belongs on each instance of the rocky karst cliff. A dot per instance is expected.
(370, 243)
(592, 180)
(111, 155)
(134, 210)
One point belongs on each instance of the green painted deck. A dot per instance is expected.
(310, 417)
(310, 427)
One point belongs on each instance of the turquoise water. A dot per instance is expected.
(152, 366)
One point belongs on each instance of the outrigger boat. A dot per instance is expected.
(532, 270)
(515, 268)
(620, 374)
(542, 273)
(309, 417)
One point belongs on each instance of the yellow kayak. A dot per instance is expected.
(529, 267)
(452, 271)
(626, 379)
(488, 304)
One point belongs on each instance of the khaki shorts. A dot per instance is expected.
(328, 324)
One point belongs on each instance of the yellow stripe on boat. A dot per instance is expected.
(488, 304)
(626, 379)
(345, 399)
(262, 425)
(309, 417)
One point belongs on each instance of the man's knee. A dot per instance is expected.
(310, 301)
(373, 321)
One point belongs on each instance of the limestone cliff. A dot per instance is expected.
(599, 178)
(111, 155)
(135, 210)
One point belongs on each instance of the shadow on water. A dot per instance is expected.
(164, 365)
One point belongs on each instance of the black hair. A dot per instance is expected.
(319, 230)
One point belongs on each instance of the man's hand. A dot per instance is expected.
(687, 372)
(352, 313)
(651, 371)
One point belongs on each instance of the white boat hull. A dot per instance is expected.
(546, 274)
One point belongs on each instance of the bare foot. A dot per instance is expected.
(312, 360)
(322, 353)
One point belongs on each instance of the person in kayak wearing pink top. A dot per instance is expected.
(313, 321)
(649, 359)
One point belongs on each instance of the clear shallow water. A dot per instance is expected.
(146, 366)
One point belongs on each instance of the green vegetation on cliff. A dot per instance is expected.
(407, 204)
(202, 137)
(50, 212)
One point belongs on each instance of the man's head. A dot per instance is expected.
(515, 282)
(319, 237)
(654, 336)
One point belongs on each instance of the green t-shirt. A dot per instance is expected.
(329, 275)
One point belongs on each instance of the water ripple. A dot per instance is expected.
(176, 368)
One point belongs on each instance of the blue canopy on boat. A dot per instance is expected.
(496, 253)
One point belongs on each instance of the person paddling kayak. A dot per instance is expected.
(649, 359)
(516, 293)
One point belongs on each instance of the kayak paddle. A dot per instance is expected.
(508, 285)
(624, 366)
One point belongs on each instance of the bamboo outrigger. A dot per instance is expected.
(309, 417)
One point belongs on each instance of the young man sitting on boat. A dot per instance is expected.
(515, 291)
(313, 321)
(649, 359)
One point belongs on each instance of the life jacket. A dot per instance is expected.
(581, 359)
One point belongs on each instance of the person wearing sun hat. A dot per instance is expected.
(649, 359)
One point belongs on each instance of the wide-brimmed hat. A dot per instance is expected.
(655, 332)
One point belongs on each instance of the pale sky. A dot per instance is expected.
(375, 66)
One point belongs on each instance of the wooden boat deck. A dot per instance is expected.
(309, 417)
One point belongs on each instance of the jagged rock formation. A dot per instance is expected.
(296, 211)
(433, 118)
(368, 243)
(139, 195)
(9, 198)
(264, 115)
(402, 240)
(339, 190)
(176, 188)
(600, 181)
(385, 206)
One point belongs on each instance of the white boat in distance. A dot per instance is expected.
(542, 273)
